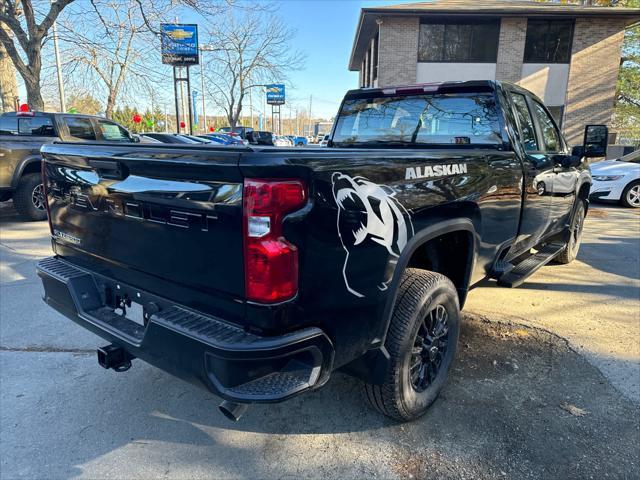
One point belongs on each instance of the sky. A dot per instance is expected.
(326, 30)
(325, 33)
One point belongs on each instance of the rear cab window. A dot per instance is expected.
(37, 126)
(422, 119)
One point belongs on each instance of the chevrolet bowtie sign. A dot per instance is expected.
(275, 94)
(179, 44)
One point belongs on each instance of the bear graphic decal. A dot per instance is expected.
(372, 226)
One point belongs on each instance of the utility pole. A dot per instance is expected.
(153, 123)
(310, 104)
(204, 108)
(251, 107)
(166, 119)
(264, 109)
(63, 106)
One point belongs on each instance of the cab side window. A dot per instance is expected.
(80, 128)
(550, 134)
(527, 130)
(113, 132)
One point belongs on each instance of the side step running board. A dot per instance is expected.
(527, 267)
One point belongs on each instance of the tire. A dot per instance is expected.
(419, 360)
(631, 195)
(300, 144)
(570, 252)
(29, 198)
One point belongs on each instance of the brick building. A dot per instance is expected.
(568, 55)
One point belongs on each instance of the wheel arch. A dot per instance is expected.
(635, 180)
(461, 226)
(28, 165)
(372, 366)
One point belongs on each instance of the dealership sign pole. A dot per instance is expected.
(180, 49)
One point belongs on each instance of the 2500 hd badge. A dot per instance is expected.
(356, 257)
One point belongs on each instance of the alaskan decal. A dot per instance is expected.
(429, 171)
(372, 225)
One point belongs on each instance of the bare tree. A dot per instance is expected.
(31, 20)
(21, 19)
(247, 49)
(8, 85)
(116, 55)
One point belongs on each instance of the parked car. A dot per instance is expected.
(298, 141)
(617, 180)
(172, 138)
(145, 139)
(257, 274)
(197, 139)
(258, 137)
(282, 141)
(238, 130)
(21, 136)
(223, 139)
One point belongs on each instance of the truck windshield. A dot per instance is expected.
(437, 119)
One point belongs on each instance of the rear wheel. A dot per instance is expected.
(570, 252)
(631, 195)
(29, 198)
(421, 342)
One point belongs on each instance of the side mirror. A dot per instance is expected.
(569, 161)
(135, 138)
(577, 151)
(596, 138)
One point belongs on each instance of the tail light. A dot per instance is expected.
(271, 262)
(43, 174)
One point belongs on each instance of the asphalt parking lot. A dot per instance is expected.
(547, 384)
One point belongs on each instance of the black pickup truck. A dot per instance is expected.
(21, 136)
(257, 272)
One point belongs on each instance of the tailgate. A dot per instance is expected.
(173, 213)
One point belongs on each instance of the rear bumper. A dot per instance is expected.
(236, 365)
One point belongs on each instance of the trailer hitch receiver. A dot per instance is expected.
(114, 357)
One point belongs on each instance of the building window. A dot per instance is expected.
(464, 42)
(548, 41)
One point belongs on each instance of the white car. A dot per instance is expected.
(280, 141)
(617, 180)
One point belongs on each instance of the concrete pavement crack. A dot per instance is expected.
(37, 349)
(7, 246)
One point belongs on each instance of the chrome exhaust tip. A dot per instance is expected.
(233, 411)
